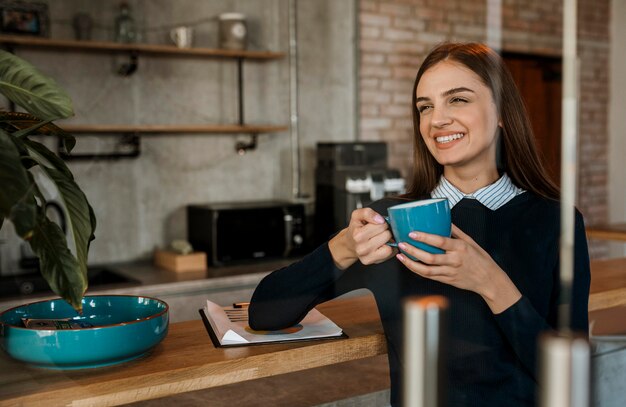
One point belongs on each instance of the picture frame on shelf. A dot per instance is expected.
(24, 18)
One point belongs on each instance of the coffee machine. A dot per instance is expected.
(350, 175)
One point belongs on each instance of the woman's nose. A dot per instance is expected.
(440, 117)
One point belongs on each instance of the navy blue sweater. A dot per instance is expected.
(490, 358)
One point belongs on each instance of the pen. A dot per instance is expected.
(241, 304)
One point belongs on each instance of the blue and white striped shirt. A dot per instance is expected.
(492, 196)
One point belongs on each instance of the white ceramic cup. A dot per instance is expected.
(182, 36)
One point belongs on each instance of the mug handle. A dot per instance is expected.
(390, 243)
(174, 35)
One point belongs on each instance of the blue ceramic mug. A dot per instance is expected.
(428, 215)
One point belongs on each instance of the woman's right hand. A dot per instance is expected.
(364, 239)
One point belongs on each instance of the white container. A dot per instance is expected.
(233, 32)
(182, 36)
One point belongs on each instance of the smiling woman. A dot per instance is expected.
(460, 124)
(475, 69)
(499, 270)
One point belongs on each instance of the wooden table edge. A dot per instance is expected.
(607, 299)
(166, 383)
(106, 388)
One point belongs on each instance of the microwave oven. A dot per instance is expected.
(231, 232)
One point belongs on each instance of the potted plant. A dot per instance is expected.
(21, 200)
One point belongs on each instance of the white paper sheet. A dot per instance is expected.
(231, 327)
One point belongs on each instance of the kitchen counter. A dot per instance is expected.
(186, 361)
(612, 231)
(148, 274)
(168, 285)
(608, 282)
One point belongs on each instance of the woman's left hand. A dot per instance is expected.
(464, 265)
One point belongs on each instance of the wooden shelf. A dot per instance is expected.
(166, 128)
(135, 50)
(155, 49)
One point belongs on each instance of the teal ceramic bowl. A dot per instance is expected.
(123, 328)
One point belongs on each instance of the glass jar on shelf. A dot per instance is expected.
(125, 26)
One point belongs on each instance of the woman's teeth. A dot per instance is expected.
(451, 137)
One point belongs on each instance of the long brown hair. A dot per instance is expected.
(518, 153)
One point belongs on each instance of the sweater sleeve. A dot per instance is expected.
(286, 295)
(522, 324)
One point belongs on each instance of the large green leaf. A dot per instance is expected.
(38, 94)
(44, 156)
(17, 189)
(22, 124)
(92, 218)
(80, 221)
(58, 266)
(78, 215)
(72, 196)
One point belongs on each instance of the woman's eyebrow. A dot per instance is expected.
(456, 90)
(446, 93)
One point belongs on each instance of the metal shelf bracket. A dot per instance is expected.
(243, 147)
(128, 139)
(128, 68)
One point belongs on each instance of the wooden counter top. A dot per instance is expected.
(608, 283)
(613, 231)
(186, 360)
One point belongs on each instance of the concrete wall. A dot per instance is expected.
(140, 202)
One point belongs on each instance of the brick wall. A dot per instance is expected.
(395, 35)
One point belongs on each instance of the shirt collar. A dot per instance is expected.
(492, 196)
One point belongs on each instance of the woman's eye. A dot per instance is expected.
(423, 108)
(458, 100)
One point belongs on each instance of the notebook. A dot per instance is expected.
(228, 326)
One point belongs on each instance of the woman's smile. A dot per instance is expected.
(445, 141)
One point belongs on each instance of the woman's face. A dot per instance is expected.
(458, 117)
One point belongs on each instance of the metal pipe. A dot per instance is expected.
(569, 129)
(564, 356)
(424, 335)
(293, 100)
(564, 373)
(494, 24)
(240, 105)
(356, 4)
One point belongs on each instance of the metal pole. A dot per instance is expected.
(569, 129)
(494, 24)
(293, 99)
(564, 376)
(424, 332)
(240, 106)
